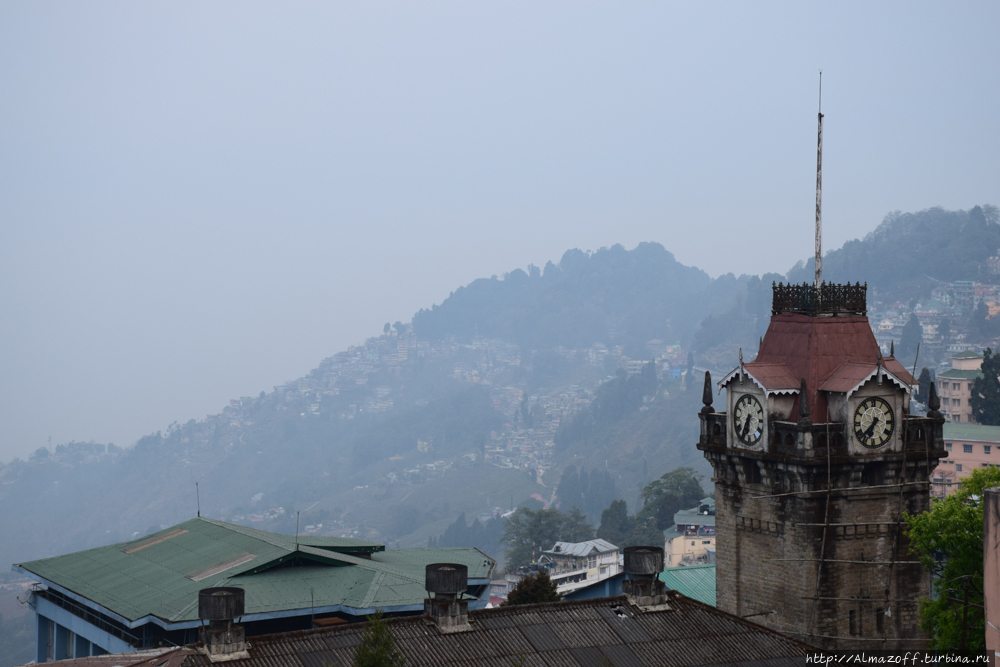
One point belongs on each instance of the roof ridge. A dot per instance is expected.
(261, 535)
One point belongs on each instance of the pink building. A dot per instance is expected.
(969, 446)
(955, 386)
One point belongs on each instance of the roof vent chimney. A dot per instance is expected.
(642, 584)
(445, 583)
(222, 641)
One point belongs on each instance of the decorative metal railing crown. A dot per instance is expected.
(828, 298)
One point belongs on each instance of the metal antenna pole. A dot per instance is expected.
(819, 188)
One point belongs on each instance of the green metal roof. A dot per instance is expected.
(160, 575)
(954, 431)
(695, 581)
(967, 354)
(957, 374)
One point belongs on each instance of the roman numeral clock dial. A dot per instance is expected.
(749, 420)
(873, 422)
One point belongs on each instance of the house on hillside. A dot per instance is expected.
(955, 386)
(688, 541)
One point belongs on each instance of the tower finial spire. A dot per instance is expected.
(819, 188)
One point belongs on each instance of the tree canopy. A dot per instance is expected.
(912, 335)
(528, 532)
(378, 645)
(909, 253)
(662, 498)
(534, 588)
(676, 490)
(985, 400)
(612, 296)
(948, 539)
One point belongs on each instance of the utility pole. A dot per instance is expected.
(965, 614)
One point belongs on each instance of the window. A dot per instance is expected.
(956, 401)
(984, 465)
(966, 449)
(987, 449)
(853, 620)
(710, 541)
(880, 620)
(947, 446)
(692, 544)
(970, 386)
(956, 385)
(958, 467)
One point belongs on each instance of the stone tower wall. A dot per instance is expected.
(770, 522)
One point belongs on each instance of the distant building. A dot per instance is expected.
(573, 565)
(142, 594)
(693, 533)
(955, 386)
(969, 446)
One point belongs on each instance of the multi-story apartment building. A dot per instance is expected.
(969, 446)
(693, 533)
(955, 386)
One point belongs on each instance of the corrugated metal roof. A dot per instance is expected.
(959, 374)
(581, 548)
(694, 581)
(574, 633)
(971, 432)
(814, 348)
(164, 576)
(568, 634)
(967, 354)
(774, 376)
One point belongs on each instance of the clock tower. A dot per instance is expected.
(815, 460)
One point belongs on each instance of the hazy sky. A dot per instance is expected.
(200, 201)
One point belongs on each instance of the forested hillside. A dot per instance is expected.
(510, 389)
(613, 296)
(906, 255)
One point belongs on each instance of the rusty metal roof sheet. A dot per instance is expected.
(570, 634)
(798, 347)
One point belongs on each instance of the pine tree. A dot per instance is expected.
(985, 399)
(912, 334)
(378, 646)
(924, 383)
(615, 523)
(535, 588)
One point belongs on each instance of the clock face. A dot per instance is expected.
(748, 420)
(873, 422)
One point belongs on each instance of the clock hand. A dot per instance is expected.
(871, 429)
(746, 427)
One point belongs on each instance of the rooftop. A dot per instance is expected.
(581, 548)
(958, 374)
(971, 432)
(694, 581)
(280, 574)
(580, 632)
(833, 354)
(968, 354)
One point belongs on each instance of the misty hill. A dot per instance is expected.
(903, 259)
(909, 253)
(613, 296)
(484, 402)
